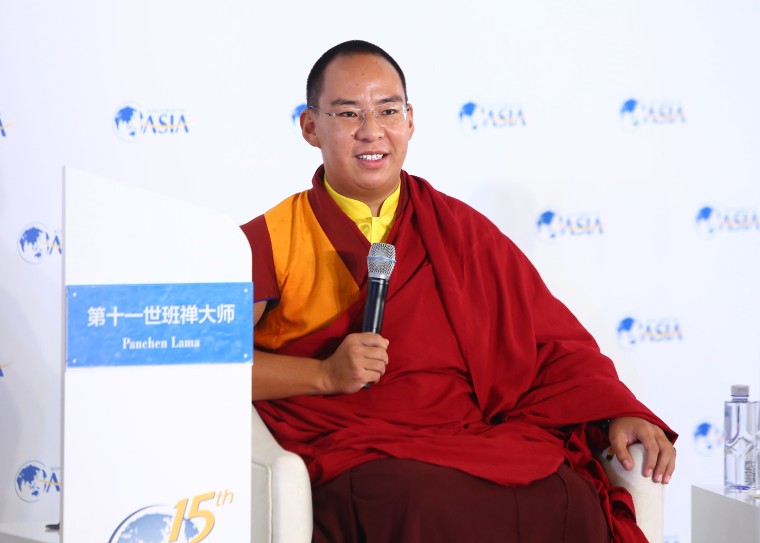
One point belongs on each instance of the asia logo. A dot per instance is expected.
(475, 117)
(166, 524)
(635, 113)
(34, 480)
(712, 221)
(553, 225)
(130, 122)
(708, 438)
(36, 242)
(632, 332)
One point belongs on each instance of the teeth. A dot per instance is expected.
(370, 157)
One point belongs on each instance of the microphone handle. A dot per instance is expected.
(375, 305)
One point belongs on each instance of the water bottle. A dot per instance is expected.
(740, 448)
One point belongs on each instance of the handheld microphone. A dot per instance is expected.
(380, 263)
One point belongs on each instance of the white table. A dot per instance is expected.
(718, 517)
(27, 533)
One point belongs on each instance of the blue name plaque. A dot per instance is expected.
(138, 325)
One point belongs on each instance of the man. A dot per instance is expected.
(488, 400)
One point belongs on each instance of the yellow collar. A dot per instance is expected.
(374, 228)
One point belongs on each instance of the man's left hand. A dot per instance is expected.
(660, 458)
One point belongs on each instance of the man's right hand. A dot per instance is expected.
(361, 358)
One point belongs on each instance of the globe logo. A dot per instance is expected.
(467, 115)
(128, 123)
(628, 113)
(32, 481)
(34, 243)
(296, 115)
(628, 333)
(153, 524)
(546, 224)
(708, 221)
(708, 438)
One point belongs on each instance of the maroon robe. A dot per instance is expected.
(489, 373)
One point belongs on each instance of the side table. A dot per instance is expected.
(21, 532)
(716, 516)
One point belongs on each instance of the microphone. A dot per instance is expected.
(380, 263)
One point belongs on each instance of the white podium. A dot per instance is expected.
(157, 400)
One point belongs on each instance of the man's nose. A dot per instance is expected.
(370, 126)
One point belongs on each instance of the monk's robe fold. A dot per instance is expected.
(489, 373)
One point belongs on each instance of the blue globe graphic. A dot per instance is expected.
(708, 438)
(545, 225)
(708, 220)
(626, 331)
(32, 481)
(128, 122)
(628, 113)
(33, 243)
(467, 115)
(152, 525)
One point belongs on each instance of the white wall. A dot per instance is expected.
(235, 71)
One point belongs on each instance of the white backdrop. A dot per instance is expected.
(614, 142)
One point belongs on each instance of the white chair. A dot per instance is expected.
(648, 496)
(281, 493)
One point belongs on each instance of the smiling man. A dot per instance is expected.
(489, 400)
(363, 150)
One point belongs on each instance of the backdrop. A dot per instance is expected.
(615, 142)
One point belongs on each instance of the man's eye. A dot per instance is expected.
(348, 114)
(390, 111)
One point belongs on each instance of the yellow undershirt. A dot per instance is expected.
(375, 229)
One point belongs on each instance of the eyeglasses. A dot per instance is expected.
(388, 115)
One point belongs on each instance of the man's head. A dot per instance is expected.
(315, 80)
(359, 118)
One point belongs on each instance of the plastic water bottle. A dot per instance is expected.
(740, 448)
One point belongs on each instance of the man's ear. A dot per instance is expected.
(410, 119)
(309, 127)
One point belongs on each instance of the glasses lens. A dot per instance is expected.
(387, 115)
(390, 115)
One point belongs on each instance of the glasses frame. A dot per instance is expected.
(363, 114)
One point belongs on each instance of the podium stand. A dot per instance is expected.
(157, 400)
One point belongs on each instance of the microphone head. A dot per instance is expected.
(381, 260)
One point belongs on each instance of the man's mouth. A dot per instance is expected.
(376, 156)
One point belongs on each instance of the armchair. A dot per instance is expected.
(648, 496)
(281, 492)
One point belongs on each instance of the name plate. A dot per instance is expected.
(137, 325)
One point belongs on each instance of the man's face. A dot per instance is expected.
(361, 162)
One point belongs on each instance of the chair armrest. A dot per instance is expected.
(648, 496)
(280, 491)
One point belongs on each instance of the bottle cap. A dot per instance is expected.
(739, 390)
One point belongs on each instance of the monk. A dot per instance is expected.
(478, 412)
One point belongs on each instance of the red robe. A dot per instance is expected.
(489, 373)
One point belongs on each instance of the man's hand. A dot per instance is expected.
(361, 358)
(660, 458)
